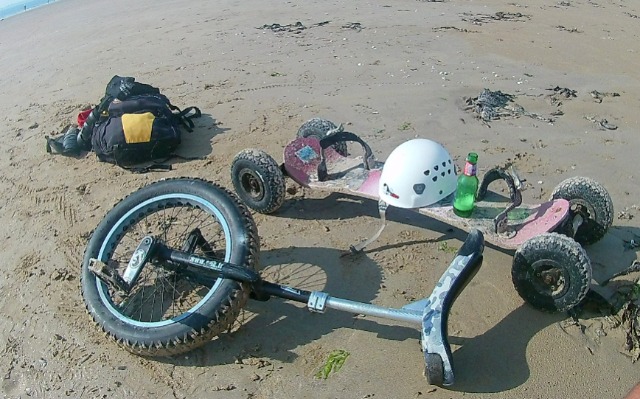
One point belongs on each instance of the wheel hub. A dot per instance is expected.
(581, 208)
(252, 184)
(548, 277)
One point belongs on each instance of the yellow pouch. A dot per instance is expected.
(137, 127)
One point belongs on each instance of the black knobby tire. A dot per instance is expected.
(434, 369)
(551, 272)
(589, 199)
(170, 310)
(258, 180)
(318, 127)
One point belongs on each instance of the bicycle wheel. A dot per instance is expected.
(170, 309)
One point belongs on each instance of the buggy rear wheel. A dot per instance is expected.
(318, 128)
(589, 200)
(551, 272)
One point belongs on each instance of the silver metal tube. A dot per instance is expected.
(408, 315)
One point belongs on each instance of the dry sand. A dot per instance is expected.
(401, 71)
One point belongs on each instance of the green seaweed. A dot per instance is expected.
(443, 246)
(333, 364)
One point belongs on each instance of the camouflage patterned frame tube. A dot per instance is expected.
(436, 310)
(430, 313)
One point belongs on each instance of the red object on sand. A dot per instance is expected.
(82, 117)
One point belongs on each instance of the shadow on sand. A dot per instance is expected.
(496, 360)
(272, 329)
(492, 362)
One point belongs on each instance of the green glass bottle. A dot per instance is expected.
(467, 187)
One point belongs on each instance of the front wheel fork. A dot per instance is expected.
(435, 343)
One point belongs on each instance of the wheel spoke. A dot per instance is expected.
(159, 293)
(168, 300)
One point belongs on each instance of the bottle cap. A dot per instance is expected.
(472, 157)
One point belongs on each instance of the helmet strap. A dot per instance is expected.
(382, 208)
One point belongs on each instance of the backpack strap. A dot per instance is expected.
(148, 168)
(186, 115)
(183, 115)
(157, 165)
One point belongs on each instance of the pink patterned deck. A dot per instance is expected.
(347, 174)
(526, 221)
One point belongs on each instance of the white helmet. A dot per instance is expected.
(418, 173)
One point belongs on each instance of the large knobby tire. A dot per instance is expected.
(258, 180)
(590, 200)
(318, 128)
(170, 310)
(551, 272)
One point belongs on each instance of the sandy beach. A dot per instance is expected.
(389, 71)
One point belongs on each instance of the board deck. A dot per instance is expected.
(348, 175)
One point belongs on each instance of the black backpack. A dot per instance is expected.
(133, 123)
(140, 128)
